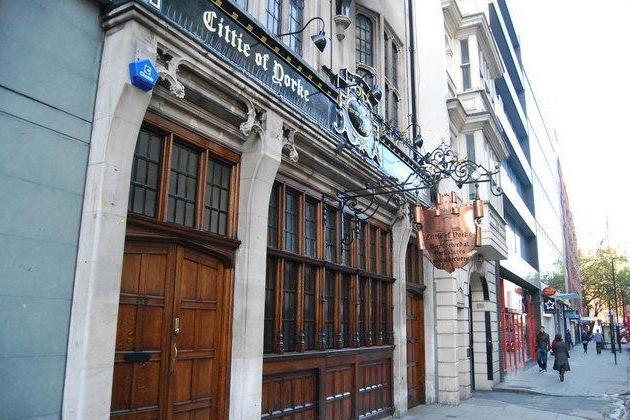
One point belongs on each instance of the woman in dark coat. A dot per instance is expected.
(561, 352)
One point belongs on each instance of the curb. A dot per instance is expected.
(533, 392)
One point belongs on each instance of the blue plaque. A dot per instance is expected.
(143, 74)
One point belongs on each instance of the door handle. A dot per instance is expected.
(176, 326)
(173, 357)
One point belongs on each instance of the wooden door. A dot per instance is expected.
(415, 350)
(197, 373)
(171, 344)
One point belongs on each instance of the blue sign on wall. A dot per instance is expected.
(143, 74)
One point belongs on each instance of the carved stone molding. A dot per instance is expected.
(167, 66)
(288, 143)
(254, 118)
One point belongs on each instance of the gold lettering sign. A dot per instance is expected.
(449, 233)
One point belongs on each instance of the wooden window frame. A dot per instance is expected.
(207, 149)
(377, 329)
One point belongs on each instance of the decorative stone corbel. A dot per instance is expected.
(167, 66)
(342, 22)
(288, 142)
(254, 118)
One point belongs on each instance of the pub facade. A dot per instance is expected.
(241, 253)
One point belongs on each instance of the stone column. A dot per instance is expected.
(259, 163)
(118, 114)
(447, 334)
(401, 231)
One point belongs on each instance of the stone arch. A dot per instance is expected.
(480, 333)
(118, 114)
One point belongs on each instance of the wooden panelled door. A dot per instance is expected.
(415, 349)
(171, 342)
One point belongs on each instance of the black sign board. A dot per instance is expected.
(231, 34)
(226, 31)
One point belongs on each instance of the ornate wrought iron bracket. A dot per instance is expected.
(429, 169)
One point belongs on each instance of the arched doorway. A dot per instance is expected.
(480, 333)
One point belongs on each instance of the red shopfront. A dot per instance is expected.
(518, 326)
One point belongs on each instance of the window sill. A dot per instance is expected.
(273, 357)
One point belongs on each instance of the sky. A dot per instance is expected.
(577, 57)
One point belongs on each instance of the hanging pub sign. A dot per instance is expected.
(449, 232)
(549, 305)
(548, 291)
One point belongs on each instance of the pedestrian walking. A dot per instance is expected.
(599, 341)
(585, 339)
(569, 339)
(560, 351)
(542, 346)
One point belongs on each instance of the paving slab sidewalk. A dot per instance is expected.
(591, 375)
(595, 388)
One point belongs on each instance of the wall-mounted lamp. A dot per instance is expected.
(417, 141)
(318, 39)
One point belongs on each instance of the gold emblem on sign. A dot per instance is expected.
(449, 232)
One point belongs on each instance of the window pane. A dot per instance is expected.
(345, 240)
(272, 221)
(309, 308)
(217, 197)
(464, 47)
(386, 56)
(296, 18)
(364, 41)
(329, 308)
(394, 115)
(385, 313)
(373, 249)
(145, 173)
(362, 310)
(470, 146)
(331, 233)
(270, 304)
(345, 310)
(395, 64)
(310, 229)
(384, 268)
(242, 3)
(289, 305)
(466, 77)
(290, 222)
(374, 328)
(183, 185)
(273, 16)
(361, 245)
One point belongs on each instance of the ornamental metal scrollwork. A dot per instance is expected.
(440, 164)
(355, 109)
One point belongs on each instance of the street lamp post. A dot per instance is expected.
(612, 334)
(616, 304)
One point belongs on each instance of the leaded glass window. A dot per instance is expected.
(183, 185)
(329, 309)
(145, 173)
(289, 290)
(270, 304)
(296, 20)
(217, 197)
(274, 8)
(364, 40)
(309, 307)
(272, 219)
(330, 227)
(179, 178)
(310, 228)
(290, 222)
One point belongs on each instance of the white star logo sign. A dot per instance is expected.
(550, 305)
